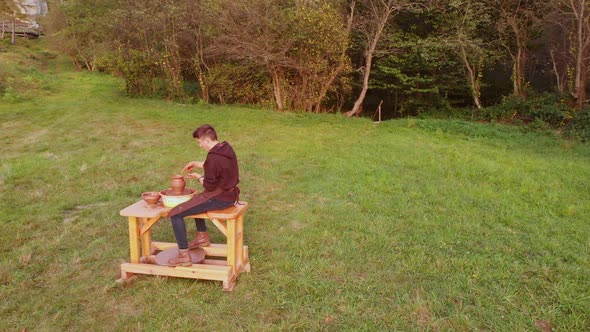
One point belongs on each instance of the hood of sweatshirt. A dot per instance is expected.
(223, 149)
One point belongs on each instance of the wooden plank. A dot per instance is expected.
(229, 285)
(142, 209)
(220, 225)
(221, 262)
(220, 250)
(231, 245)
(216, 250)
(133, 240)
(239, 242)
(148, 224)
(163, 245)
(218, 245)
(200, 215)
(246, 267)
(229, 213)
(196, 271)
(146, 239)
(126, 275)
(126, 281)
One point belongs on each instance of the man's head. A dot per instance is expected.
(206, 136)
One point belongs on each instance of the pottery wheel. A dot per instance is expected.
(170, 192)
(197, 255)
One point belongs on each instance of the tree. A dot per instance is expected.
(420, 74)
(81, 30)
(10, 8)
(253, 32)
(559, 56)
(319, 44)
(300, 44)
(197, 39)
(518, 23)
(573, 17)
(467, 33)
(7, 8)
(370, 24)
(147, 46)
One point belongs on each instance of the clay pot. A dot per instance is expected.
(151, 197)
(178, 184)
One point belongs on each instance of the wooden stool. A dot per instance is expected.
(234, 254)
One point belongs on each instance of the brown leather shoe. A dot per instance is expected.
(202, 240)
(183, 259)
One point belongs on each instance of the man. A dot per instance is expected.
(220, 180)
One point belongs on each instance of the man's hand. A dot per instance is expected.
(193, 175)
(189, 167)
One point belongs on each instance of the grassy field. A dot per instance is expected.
(407, 225)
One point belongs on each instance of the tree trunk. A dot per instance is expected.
(579, 89)
(473, 77)
(204, 87)
(519, 59)
(75, 63)
(222, 96)
(276, 87)
(317, 107)
(13, 40)
(581, 83)
(560, 82)
(515, 83)
(356, 109)
(582, 45)
(201, 67)
(3, 26)
(369, 52)
(519, 72)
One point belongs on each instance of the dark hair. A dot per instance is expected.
(205, 131)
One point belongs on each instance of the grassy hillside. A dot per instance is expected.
(404, 225)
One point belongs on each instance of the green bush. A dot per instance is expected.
(496, 113)
(239, 84)
(10, 96)
(430, 106)
(551, 109)
(579, 126)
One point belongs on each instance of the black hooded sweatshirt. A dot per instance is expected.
(221, 171)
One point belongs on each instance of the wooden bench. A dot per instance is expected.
(234, 255)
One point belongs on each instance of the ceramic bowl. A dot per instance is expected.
(151, 197)
(171, 200)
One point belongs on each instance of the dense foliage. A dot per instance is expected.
(511, 60)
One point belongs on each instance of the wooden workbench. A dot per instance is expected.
(234, 255)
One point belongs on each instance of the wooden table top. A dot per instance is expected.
(141, 209)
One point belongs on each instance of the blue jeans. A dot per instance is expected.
(178, 220)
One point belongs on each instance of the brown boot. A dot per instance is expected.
(183, 259)
(202, 240)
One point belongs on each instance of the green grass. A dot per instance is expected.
(404, 225)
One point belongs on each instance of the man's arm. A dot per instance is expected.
(189, 167)
(210, 180)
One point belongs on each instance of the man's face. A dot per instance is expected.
(203, 143)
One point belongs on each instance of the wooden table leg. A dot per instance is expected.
(146, 239)
(231, 245)
(134, 240)
(239, 243)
